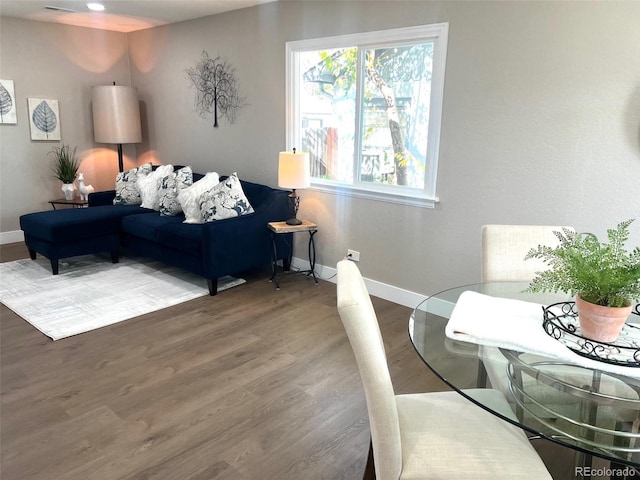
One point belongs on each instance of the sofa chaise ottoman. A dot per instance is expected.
(58, 234)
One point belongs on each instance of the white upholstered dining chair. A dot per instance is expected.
(505, 246)
(436, 435)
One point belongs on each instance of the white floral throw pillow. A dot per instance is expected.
(225, 200)
(127, 192)
(188, 197)
(170, 186)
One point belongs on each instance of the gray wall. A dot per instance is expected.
(541, 122)
(47, 60)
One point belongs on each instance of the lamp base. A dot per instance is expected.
(294, 221)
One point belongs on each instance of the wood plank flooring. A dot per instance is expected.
(250, 384)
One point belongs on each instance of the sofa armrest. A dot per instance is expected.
(101, 198)
(242, 243)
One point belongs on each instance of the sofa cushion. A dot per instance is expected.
(170, 186)
(225, 200)
(127, 192)
(146, 226)
(74, 224)
(184, 237)
(149, 186)
(188, 197)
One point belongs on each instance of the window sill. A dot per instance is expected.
(376, 195)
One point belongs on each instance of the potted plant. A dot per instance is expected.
(65, 168)
(603, 277)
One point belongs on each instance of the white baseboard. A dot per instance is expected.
(11, 237)
(377, 289)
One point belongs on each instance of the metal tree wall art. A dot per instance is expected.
(216, 88)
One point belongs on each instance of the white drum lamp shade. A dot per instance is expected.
(294, 172)
(116, 116)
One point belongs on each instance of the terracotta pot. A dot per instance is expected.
(599, 323)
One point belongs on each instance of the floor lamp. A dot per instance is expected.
(116, 116)
(294, 172)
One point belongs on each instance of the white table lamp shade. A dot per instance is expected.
(293, 170)
(116, 114)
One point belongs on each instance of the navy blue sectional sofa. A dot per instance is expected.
(214, 249)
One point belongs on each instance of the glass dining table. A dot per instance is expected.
(591, 410)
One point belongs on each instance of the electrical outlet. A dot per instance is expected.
(353, 255)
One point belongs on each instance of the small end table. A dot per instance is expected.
(278, 228)
(76, 202)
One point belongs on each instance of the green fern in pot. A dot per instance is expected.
(65, 164)
(65, 168)
(602, 275)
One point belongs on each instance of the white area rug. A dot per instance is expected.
(91, 292)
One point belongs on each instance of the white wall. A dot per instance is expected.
(541, 122)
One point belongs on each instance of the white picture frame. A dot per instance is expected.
(7, 103)
(44, 119)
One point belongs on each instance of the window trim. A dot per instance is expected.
(438, 33)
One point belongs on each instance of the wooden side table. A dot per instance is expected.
(76, 202)
(278, 228)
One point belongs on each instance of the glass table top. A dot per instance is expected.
(590, 410)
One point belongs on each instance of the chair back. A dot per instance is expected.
(505, 246)
(360, 322)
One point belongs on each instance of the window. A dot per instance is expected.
(367, 108)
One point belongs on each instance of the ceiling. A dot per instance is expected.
(120, 15)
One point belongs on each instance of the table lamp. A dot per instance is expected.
(116, 116)
(294, 173)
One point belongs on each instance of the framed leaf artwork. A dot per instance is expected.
(7, 102)
(44, 119)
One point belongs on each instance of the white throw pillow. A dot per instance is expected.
(170, 186)
(127, 192)
(225, 200)
(188, 197)
(149, 187)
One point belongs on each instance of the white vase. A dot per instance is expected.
(69, 191)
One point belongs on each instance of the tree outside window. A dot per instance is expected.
(368, 112)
